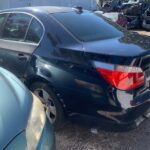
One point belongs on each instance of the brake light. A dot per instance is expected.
(121, 77)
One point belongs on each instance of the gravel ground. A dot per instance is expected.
(75, 137)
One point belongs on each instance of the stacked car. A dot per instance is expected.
(134, 13)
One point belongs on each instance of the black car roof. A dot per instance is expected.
(46, 9)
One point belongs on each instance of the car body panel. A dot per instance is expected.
(120, 48)
(18, 53)
(18, 118)
(47, 141)
(15, 98)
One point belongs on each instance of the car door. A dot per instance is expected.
(2, 21)
(13, 45)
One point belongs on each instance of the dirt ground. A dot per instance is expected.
(75, 137)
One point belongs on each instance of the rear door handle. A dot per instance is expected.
(22, 56)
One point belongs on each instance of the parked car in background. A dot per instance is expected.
(130, 3)
(23, 123)
(128, 22)
(134, 17)
(146, 20)
(118, 18)
(113, 16)
(77, 62)
(111, 6)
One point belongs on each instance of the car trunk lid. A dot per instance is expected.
(127, 51)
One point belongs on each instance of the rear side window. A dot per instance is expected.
(2, 20)
(35, 32)
(87, 26)
(16, 26)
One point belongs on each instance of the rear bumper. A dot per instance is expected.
(133, 109)
(134, 116)
(108, 124)
(115, 121)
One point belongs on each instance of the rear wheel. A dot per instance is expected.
(53, 107)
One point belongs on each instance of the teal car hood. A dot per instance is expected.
(15, 106)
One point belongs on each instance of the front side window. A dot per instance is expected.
(16, 26)
(35, 32)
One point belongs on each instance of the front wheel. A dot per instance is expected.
(53, 107)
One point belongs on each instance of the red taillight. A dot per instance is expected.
(122, 77)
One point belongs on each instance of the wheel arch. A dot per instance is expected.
(31, 80)
(38, 78)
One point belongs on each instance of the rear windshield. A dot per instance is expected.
(87, 26)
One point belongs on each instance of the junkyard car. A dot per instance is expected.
(78, 63)
(118, 18)
(146, 20)
(130, 3)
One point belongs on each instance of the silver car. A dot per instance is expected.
(23, 123)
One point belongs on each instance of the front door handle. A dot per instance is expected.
(21, 56)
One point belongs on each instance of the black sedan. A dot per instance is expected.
(78, 63)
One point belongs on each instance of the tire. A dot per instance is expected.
(53, 107)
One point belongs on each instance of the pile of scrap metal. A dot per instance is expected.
(119, 5)
(135, 14)
(130, 3)
(111, 6)
(146, 19)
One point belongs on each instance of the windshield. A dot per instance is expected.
(87, 26)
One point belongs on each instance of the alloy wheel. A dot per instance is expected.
(48, 103)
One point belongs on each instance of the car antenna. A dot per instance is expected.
(78, 9)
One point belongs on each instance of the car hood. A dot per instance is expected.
(15, 106)
(129, 45)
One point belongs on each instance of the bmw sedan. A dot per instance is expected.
(78, 63)
(23, 123)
